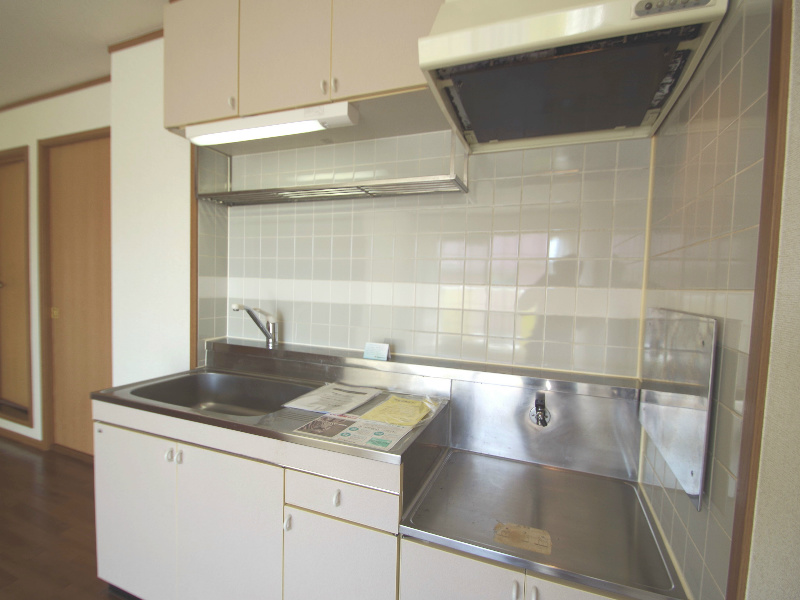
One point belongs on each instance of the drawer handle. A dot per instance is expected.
(337, 498)
(287, 523)
(179, 457)
(170, 455)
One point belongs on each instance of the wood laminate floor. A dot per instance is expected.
(47, 543)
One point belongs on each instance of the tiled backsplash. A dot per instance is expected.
(540, 264)
(212, 266)
(706, 202)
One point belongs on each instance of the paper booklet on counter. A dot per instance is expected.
(334, 398)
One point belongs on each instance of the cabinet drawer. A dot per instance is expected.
(372, 508)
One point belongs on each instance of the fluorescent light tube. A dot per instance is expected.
(288, 122)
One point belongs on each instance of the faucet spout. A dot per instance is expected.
(269, 329)
(540, 415)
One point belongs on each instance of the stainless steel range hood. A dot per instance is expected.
(525, 73)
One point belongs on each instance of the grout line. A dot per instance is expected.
(647, 242)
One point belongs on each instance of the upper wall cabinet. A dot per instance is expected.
(285, 58)
(201, 49)
(374, 45)
(304, 52)
(291, 53)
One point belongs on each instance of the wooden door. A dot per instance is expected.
(77, 289)
(134, 486)
(284, 54)
(15, 339)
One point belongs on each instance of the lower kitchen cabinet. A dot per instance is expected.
(428, 572)
(228, 526)
(134, 496)
(325, 558)
(541, 589)
(179, 521)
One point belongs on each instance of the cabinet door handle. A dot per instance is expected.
(170, 455)
(535, 593)
(232, 102)
(287, 523)
(515, 591)
(179, 457)
(337, 498)
(334, 85)
(323, 86)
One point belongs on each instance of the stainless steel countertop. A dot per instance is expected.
(278, 425)
(584, 528)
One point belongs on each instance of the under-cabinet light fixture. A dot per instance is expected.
(289, 122)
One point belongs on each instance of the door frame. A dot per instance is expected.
(45, 291)
(11, 156)
(764, 297)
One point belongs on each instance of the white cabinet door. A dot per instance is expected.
(374, 45)
(201, 57)
(135, 511)
(428, 572)
(539, 589)
(328, 559)
(229, 534)
(284, 54)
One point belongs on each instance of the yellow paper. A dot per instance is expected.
(398, 411)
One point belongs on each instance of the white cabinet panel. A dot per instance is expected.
(372, 508)
(284, 54)
(540, 589)
(135, 511)
(374, 45)
(228, 527)
(201, 57)
(328, 559)
(428, 572)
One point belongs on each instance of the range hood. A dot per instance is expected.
(512, 74)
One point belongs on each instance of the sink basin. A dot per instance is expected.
(224, 393)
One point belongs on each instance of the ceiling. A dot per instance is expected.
(47, 45)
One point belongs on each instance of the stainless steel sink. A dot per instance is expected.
(223, 393)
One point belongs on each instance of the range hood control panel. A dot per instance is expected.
(655, 7)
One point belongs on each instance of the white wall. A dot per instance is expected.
(150, 222)
(776, 530)
(84, 110)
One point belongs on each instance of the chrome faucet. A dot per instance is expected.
(270, 329)
(540, 415)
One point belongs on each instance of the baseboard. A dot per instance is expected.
(118, 593)
(81, 456)
(23, 439)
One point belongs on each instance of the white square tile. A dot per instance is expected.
(427, 295)
(403, 294)
(500, 350)
(502, 298)
(591, 302)
(561, 301)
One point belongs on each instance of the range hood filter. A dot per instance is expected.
(573, 82)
